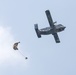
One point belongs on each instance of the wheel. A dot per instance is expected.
(37, 31)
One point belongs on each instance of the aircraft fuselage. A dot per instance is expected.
(49, 30)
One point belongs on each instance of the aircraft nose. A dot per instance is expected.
(64, 27)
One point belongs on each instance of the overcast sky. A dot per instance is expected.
(45, 57)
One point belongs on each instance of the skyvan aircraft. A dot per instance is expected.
(53, 29)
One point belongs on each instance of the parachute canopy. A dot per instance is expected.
(15, 45)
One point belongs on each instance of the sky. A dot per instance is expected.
(45, 57)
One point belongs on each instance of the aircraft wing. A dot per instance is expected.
(56, 38)
(49, 18)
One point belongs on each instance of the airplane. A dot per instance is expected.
(53, 29)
